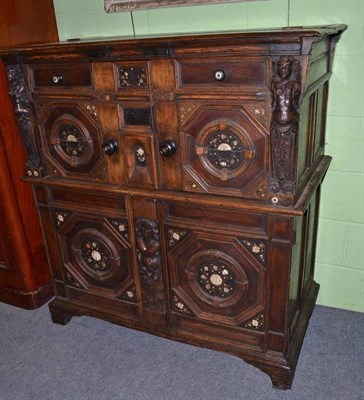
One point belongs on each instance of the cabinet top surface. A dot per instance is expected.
(263, 36)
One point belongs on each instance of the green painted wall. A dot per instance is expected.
(340, 254)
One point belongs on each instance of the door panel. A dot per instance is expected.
(216, 278)
(224, 150)
(71, 140)
(97, 257)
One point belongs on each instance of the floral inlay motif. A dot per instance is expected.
(96, 255)
(180, 306)
(216, 279)
(175, 235)
(132, 76)
(92, 109)
(255, 323)
(225, 150)
(71, 140)
(259, 249)
(121, 227)
(60, 218)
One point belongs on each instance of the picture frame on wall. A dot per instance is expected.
(112, 6)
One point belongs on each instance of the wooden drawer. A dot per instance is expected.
(61, 75)
(216, 218)
(221, 73)
(66, 197)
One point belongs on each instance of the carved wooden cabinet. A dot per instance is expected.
(178, 182)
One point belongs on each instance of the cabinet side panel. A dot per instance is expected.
(2, 253)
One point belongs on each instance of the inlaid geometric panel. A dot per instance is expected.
(224, 149)
(95, 255)
(214, 277)
(71, 140)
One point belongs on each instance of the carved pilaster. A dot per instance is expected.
(286, 90)
(24, 118)
(150, 263)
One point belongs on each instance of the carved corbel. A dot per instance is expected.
(24, 118)
(286, 91)
(150, 263)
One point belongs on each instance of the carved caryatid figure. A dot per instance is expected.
(24, 116)
(286, 90)
(150, 267)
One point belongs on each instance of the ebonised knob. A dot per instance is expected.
(167, 148)
(57, 79)
(219, 75)
(110, 147)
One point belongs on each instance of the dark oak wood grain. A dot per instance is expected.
(179, 187)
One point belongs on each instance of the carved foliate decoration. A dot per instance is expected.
(71, 140)
(216, 279)
(132, 76)
(121, 227)
(258, 249)
(286, 90)
(175, 235)
(24, 118)
(112, 6)
(96, 255)
(256, 323)
(180, 306)
(150, 263)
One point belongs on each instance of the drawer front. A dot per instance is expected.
(61, 75)
(217, 277)
(132, 78)
(93, 200)
(218, 74)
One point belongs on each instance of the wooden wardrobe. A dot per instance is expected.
(24, 273)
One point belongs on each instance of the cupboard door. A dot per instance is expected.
(97, 258)
(224, 151)
(217, 277)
